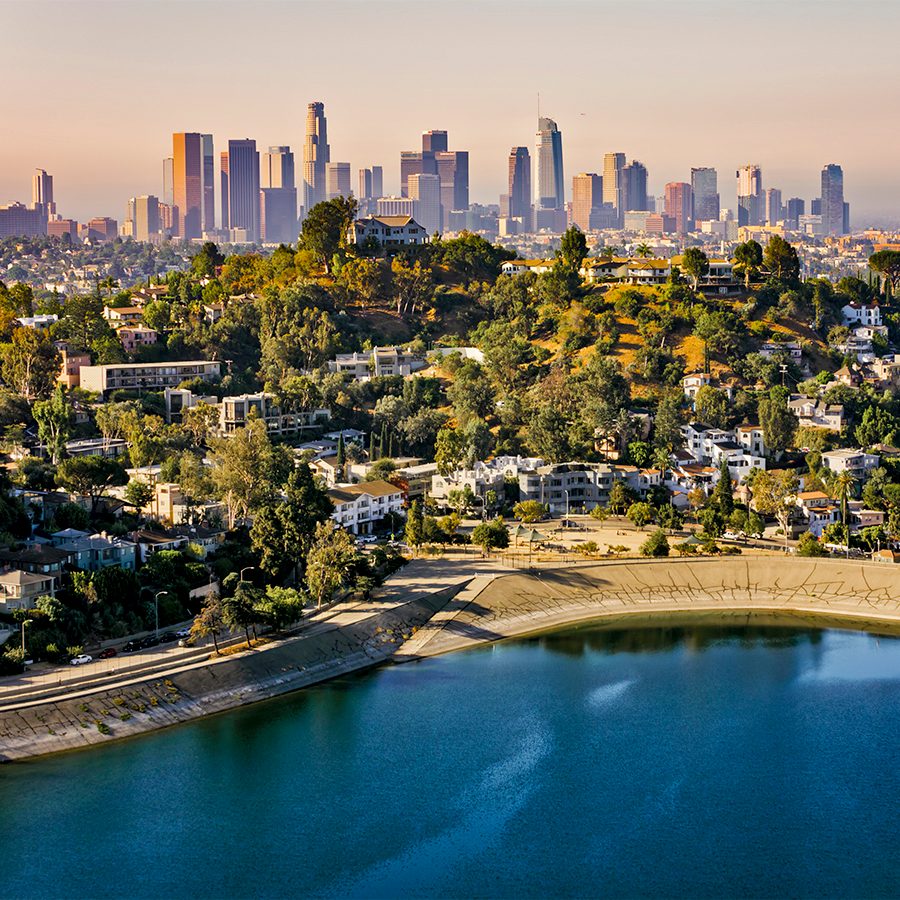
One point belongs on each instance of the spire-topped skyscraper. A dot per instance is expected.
(549, 182)
(316, 156)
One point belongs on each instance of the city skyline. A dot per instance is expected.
(792, 128)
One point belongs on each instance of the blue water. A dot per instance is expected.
(677, 762)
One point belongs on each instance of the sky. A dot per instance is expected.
(91, 91)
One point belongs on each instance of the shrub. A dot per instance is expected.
(656, 545)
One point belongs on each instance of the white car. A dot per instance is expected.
(183, 633)
(80, 660)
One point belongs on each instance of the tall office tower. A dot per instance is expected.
(453, 170)
(794, 209)
(750, 195)
(168, 182)
(278, 205)
(846, 217)
(678, 206)
(587, 196)
(774, 211)
(434, 141)
(833, 199)
(243, 187)
(550, 189)
(634, 178)
(815, 206)
(187, 181)
(425, 190)
(377, 181)
(365, 185)
(520, 186)
(337, 180)
(415, 162)
(42, 193)
(705, 190)
(209, 183)
(143, 212)
(613, 182)
(224, 189)
(316, 156)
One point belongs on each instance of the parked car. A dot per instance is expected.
(183, 633)
(366, 539)
(149, 641)
(80, 660)
(168, 638)
(108, 653)
(131, 647)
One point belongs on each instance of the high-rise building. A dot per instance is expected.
(337, 180)
(453, 171)
(19, 220)
(434, 141)
(415, 162)
(613, 182)
(187, 181)
(278, 205)
(550, 188)
(774, 211)
(224, 189)
(316, 156)
(42, 193)
(102, 228)
(587, 196)
(168, 181)
(243, 188)
(833, 200)
(143, 213)
(815, 206)
(679, 202)
(519, 196)
(634, 178)
(705, 191)
(795, 208)
(209, 183)
(750, 195)
(426, 191)
(377, 181)
(365, 185)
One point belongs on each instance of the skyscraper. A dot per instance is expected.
(833, 199)
(750, 195)
(144, 215)
(337, 180)
(679, 202)
(425, 190)
(434, 141)
(613, 182)
(795, 208)
(705, 191)
(365, 185)
(453, 170)
(520, 186)
(168, 182)
(224, 189)
(415, 162)
(587, 198)
(550, 186)
(774, 211)
(316, 155)
(634, 178)
(243, 187)
(187, 183)
(278, 205)
(42, 193)
(209, 183)
(377, 181)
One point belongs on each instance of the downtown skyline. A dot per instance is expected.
(794, 122)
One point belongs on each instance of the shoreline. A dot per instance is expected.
(478, 609)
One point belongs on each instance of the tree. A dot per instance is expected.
(239, 611)
(887, 264)
(778, 422)
(670, 518)
(414, 531)
(842, 490)
(91, 476)
(600, 514)
(284, 528)
(656, 545)
(280, 607)
(138, 494)
(199, 422)
(325, 228)
(491, 535)
(210, 621)
(621, 496)
(711, 406)
(878, 426)
(695, 263)
(330, 561)
(412, 286)
(667, 422)
(206, 260)
(639, 514)
(723, 493)
(781, 259)
(572, 248)
(773, 495)
(54, 422)
(528, 511)
(30, 363)
(809, 545)
(748, 258)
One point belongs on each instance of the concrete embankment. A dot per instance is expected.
(836, 593)
(131, 707)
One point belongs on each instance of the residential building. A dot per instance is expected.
(568, 487)
(316, 155)
(70, 367)
(388, 231)
(857, 462)
(693, 382)
(751, 438)
(38, 559)
(134, 336)
(861, 314)
(359, 508)
(147, 376)
(92, 552)
(19, 590)
(377, 362)
(814, 413)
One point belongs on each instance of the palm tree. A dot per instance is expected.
(661, 461)
(642, 251)
(110, 284)
(842, 490)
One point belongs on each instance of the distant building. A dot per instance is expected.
(425, 190)
(453, 171)
(337, 180)
(188, 172)
(243, 188)
(146, 376)
(634, 176)
(519, 180)
(143, 214)
(614, 182)
(549, 183)
(102, 228)
(278, 203)
(316, 155)
(794, 208)
(679, 203)
(587, 196)
(833, 200)
(18, 220)
(705, 194)
(42, 193)
(774, 210)
(63, 228)
(750, 195)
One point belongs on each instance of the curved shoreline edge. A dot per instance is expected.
(486, 607)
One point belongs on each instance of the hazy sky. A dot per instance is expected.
(91, 91)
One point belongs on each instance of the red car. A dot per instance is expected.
(107, 653)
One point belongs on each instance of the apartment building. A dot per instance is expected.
(359, 508)
(147, 376)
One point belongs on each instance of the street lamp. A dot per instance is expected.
(24, 623)
(245, 569)
(156, 608)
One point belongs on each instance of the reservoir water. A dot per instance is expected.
(659, 761)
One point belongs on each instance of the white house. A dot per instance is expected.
(692, 384)
(857, 462)
(388, 231)
(860, 314)
(360, 507)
